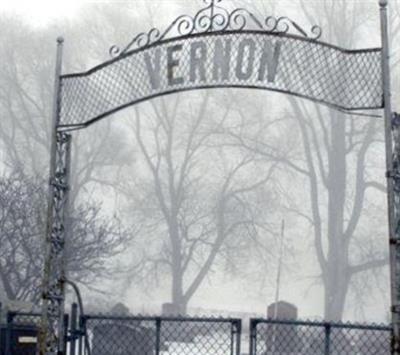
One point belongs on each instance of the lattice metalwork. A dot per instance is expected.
(394, 174)
(24, 318)
(273, 337)
(53, 288)
(214, 48)
(217, 48)
(159, 335)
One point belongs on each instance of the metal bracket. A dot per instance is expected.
(75, 334)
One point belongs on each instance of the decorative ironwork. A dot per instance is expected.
(215, 18)
(214, 48)
(53, 296)
(344, 79)
(394, 174)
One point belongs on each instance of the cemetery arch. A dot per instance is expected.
(215, 48)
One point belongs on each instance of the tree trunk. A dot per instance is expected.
(178, 299)
(336, 283)
(336, 279)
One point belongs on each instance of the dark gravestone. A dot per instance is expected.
(282, 338)
(118, 339)
(284, 310)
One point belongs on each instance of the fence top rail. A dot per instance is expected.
(12, 315)
(307, 323)
(162, 319)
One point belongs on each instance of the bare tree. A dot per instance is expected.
(197, 198)
(333, 162)
(94, 239)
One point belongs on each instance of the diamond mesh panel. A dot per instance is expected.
(121, 336)
(305, 338)
(31, 319)
(343, 79)
(196, 337)
(164, 336)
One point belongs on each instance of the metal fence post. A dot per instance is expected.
(81, 328)
(253, 337)
(327, 347)
(52, 332)
(158, 335)
(66, 324)
(73, 328)
(238, 325)
(392, 140)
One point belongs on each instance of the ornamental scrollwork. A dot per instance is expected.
(215, 18)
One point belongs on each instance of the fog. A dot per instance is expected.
(180, 199)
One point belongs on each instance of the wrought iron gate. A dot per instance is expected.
(140, 335)
(214, 48)
(144, 335)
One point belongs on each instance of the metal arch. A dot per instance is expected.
(211, 21)
(307, 67)
(344, 79)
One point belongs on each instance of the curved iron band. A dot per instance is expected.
(219, 33)
(76, 126)
(203, 87)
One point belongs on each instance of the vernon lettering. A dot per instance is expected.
(210, 62)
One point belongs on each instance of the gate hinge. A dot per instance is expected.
(395, 308)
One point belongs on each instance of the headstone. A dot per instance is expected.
(120, 339)
(284, 310)
(282, 338)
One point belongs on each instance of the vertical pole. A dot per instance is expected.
(73, 327)
(66, 323)
(327, 347)
(51, 335)
(82, 326)
(393, 195)
(238, 325)
(279, 272)
(158, 335)
(253, 337)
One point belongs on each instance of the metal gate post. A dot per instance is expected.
(253, 337)
(327, 345)
(73, 328)
(158, 335)
(392, 140)
(238, 329)
(52, 330)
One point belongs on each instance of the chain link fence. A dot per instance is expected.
(160, 335)
(278, 337)
(142, 335)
